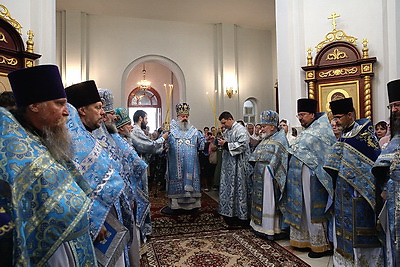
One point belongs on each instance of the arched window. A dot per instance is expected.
(249, 111)
(148, 100)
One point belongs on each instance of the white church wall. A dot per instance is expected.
(256, 69)
(108, 45)
(113, 43)
(303, 24)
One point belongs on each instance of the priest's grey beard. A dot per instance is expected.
(129, 137)
(184, 125)
(264, 135)
(125, 133)
(111, 128)
(58, 141)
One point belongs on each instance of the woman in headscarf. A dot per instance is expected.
(284, 123)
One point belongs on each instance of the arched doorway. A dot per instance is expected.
(148, 100)
(159, 71)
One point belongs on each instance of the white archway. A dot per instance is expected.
(170, 64)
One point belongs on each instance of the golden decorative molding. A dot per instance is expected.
(30, 42)
(311, 90)
(3, 38)
(309, 57)
(8, 61)
(338, 72)
(5, 14)
(29, 63)
(367, 97)
(336, 55)
(336, 35)
(366, 68)
(365, 48)
(310, 75)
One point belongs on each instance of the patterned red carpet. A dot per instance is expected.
(205, 219)
(202, 239)
(217, 248)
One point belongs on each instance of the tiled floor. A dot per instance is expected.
(321, 262)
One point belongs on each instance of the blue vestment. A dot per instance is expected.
(309, 148)
(387, 173)
(98, 169)
(349, 164)
(183, 182)
(235, 183)
(132, 169)
(270, 155)
(48, 200)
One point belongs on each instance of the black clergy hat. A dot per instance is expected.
(83, 94)
(307, 105)
(36, 84)
(393, 88)
(342, 106)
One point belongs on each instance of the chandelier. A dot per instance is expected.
(144, 84)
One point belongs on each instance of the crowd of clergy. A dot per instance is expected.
(74, 188)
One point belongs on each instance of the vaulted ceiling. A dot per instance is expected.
(257, 14)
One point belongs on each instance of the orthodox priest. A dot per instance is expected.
(386, 171)
(235, 182)
(135, 203)
(108, 221)
(355, 238)
(269, 177)
(42, 192)
(183, 174)
(308, 184)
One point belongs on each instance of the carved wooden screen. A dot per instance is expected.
(12, 49)
(339, 71)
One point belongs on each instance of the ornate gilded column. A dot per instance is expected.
(367, 97)
(310, 76)
(367, 68)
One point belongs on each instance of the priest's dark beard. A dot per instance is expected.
(111, 128)
(143, 125)
(58, 141)
(184, 125)
(394, 123)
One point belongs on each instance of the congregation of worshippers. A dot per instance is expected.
(77, 173)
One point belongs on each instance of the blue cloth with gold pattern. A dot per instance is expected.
(271, 153)
(49, 203)
(349, 164)
(132, 168)
(387, 172)
(98, 169)
(309, 148)
(183, 162)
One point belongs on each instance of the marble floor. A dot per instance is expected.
(321, 262)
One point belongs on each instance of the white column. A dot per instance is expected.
(291, 56)
(226, 61)
(73, 46)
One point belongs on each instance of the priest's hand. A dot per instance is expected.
(102, 234)
(383, 195)
(165, 135)
(221, 141)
